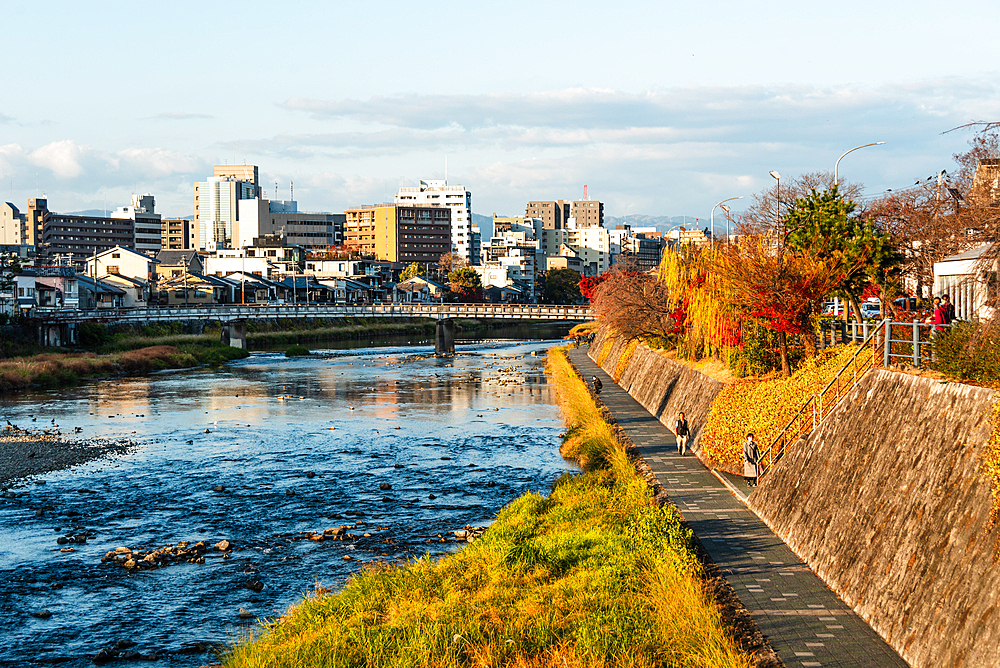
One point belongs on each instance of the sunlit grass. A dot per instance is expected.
(595, 575)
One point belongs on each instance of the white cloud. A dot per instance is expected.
(179, 116)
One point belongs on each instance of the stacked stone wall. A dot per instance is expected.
(663, 387)
(885, 503)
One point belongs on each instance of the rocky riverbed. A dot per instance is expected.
(25, 452)
(223, 495)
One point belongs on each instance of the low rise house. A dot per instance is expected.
(122, 262)
(99, 294)
(419, 290)
(970, 281)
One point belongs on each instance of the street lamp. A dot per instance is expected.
(837, 166)
(777, 201)
(726, 209)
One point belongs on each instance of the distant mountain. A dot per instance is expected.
(485, 224)
(661, 223)
(90, 212)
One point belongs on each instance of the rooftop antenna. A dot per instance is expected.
(291, 191)
(446, 170)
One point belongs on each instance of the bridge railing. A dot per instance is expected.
(250, 311)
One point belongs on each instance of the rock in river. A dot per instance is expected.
(42, 614)
(384, 486)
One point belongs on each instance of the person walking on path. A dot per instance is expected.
(597, 385)
(751, 458)
(682, 433)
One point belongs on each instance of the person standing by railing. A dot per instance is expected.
(751, 459)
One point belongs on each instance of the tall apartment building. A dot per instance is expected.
(458, 199)
(556, 214)
(399, 233)
(146, 230)
(14, 229)
(553, 214)
(67, 239)
(216, 204)
(587, 213)
(178, 234)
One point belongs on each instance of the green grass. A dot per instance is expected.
(595, 574)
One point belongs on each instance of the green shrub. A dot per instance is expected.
(969, 351)
(297, 351)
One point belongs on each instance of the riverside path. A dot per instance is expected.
(805, 622)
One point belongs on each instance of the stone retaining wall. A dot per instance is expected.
(884, 503)
(663, 387)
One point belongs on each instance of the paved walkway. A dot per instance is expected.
(806, 623)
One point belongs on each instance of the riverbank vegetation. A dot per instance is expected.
(63, 369)
(595, 574)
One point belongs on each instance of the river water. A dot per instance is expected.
(456, 438)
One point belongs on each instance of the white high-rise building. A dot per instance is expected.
(458, 199)
(147, 230)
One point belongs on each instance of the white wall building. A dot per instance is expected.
(147, 227)
(226, 262)
(121, 261)
(458, 199)
(969, 283)
(592, 245)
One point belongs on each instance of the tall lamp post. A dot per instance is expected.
(726, 209)
(836, 167)
(777, 203)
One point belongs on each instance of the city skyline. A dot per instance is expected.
(659, 110)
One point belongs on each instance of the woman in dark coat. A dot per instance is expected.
(682, 433)
(751, 456)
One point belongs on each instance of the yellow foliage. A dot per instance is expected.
(765, 406)
(609, 342)
(624, 359)
(989, 464)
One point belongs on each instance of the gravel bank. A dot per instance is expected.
(24, 454)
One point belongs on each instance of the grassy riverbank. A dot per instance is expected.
(595, 574)
(64, 369)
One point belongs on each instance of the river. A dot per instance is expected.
(298, 445)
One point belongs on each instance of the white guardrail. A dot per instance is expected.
(246, 311)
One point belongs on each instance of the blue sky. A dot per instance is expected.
(661, 108)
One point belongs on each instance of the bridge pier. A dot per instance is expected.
(444, 338)
(234, 334)
(56, 335)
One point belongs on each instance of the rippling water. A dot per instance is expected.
(353, 418)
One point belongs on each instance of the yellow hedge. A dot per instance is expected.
(764, 407)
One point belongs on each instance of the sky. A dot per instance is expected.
(660, 108)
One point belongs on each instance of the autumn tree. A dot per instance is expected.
(781, 289)
(449, 262)
(466, 283)
(412, 271)
(633, 303)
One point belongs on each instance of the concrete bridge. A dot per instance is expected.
(59, 326)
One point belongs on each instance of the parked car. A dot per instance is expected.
(871, 309)
(830, 308)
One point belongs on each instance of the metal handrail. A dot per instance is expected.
(821, 404)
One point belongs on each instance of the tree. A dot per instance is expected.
(822, 226)
(467, 284)
(634, 304)
(760, 215)
(589, 285)
(449, 262)
(413, 270)
(779, 288)
(562, 286)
